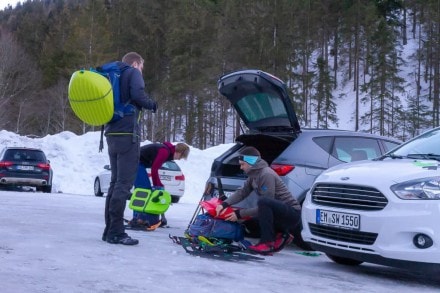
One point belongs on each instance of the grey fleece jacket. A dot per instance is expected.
(263, 180)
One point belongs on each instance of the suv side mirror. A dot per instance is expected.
(107, 167)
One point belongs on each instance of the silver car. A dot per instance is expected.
(297, 155)
(170, 174)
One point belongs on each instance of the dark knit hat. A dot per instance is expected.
(249, 155)
(250, 151)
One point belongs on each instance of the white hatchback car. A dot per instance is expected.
(170, 174)
(385, 211)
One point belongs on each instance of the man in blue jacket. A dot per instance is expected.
(123, 140)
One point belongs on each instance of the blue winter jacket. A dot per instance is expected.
(132, 89)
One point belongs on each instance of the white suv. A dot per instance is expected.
(385, 211)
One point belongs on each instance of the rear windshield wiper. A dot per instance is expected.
(429, 156)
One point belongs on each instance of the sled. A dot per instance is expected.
(91, 97)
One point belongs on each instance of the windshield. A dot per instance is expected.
(426, 144)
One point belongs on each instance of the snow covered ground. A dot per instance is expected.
(52, 242)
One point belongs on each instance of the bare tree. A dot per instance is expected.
(18, 77)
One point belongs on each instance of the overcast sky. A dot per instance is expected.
(4, 3)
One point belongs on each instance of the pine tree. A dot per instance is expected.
(325, 107)
(384, 82)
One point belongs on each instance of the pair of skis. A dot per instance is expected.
(203, 247)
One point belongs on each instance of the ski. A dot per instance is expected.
(142, 227)
(226, 256)
(227, 252)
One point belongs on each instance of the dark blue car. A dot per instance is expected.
(25, 167)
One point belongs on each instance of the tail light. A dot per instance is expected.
(44, 166)
(282, 170)
(5, 164)
(180, 177)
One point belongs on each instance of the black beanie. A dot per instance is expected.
(250, 151)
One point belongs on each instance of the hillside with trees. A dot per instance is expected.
(329, 52)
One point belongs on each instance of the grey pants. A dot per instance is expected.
(124, 160)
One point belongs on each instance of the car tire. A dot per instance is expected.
(175, 199)
(97, 187)
(298, 240)
(343, 260)
(46, 189)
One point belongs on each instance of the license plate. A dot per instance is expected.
(25, 168)
(165, 177)
(337, 219)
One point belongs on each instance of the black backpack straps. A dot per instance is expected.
(101, 141)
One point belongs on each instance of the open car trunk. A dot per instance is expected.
(269, 146)
(264, 106)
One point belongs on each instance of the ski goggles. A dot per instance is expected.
(248, 159)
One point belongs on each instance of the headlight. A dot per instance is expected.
(425, 188)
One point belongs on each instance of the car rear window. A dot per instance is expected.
(260, 106)
(25, 155)
(349, 149)
(325, 142)
(171, 166)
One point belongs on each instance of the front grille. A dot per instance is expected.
(344, 235)
(349, 197)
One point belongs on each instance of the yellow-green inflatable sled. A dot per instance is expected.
(91, 97)
(152, 202)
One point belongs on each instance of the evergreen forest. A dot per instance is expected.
(327, 51)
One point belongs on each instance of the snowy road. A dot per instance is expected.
(52, 243)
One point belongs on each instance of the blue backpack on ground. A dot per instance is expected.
(209, 227)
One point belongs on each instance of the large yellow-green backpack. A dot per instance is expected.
(94, 95)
